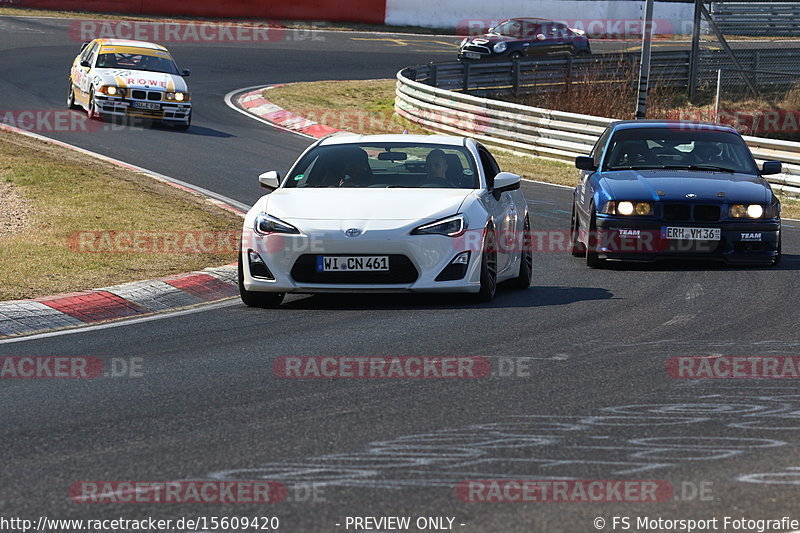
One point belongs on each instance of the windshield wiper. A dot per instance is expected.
(151, 70)
(635, 167)
(698, 167)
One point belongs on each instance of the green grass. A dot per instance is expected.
(68, 192)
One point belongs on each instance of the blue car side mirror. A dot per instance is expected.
(585, 162)
(771, 167)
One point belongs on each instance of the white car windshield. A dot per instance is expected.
(144, 62)
(385, 165)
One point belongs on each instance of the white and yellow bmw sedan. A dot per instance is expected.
(124, 78)
(386, 213)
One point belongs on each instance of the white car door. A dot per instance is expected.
(80, 74)
(505, 214)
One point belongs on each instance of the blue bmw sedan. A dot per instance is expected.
(658, 189)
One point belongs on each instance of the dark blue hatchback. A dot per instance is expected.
(659, 189)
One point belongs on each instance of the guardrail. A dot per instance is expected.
(766, 19)
(667, 69)
(543, 132)
(524, 76)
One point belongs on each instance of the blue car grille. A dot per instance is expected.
(689, 212)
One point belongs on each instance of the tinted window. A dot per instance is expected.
(137, 62)
(385, 165)
(643, 148)
(89, 52)
(597, 151)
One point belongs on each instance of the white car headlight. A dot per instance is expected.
(265, 224)
(500, 47)
(451, 227)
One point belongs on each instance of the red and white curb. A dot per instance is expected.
(254, 103)
(37, 315)
(25, 317)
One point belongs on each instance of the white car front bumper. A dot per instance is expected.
(415, 261)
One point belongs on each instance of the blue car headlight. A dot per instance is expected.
(628, 208)
(747, 211)
(500, 47)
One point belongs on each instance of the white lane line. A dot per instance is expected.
(679, 320)
(126, 322)
(695, 292)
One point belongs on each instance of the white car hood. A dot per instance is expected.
(364, 204)
(140, 79)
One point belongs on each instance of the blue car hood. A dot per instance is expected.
(676, 184)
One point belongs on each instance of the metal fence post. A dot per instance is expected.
(644, 71)
(515, 76)
(694, 57)
(568, 75)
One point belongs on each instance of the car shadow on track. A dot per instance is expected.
(195, 130)
(535, 296)
(788, 262)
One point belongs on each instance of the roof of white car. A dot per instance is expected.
(450, 140)
(131, 43)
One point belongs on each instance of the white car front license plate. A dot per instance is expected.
(472, 55)
(147, 105)
(691, 234)
(361, 263)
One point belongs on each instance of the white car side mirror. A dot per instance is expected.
(506, 181)
(270, 180)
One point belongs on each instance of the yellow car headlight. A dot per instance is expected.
(112, 90)
(177, 96)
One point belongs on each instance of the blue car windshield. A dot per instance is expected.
(679, 147)
(385, 165)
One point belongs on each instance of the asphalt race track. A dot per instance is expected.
(579, 389)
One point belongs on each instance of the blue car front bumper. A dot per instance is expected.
(647, 240)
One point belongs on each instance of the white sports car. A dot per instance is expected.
(386, 213)
(122, 78)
